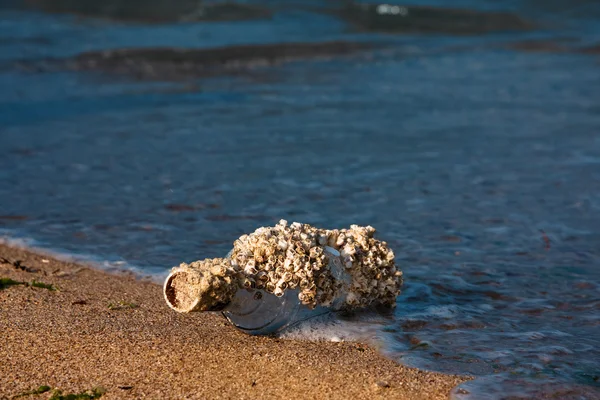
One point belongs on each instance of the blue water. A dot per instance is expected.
(476, 157)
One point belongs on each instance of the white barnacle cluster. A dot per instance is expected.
(286, 257)
(295, 256)
(212, 281)
(370, 263)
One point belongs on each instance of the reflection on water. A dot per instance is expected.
(154, 11)
(426, 19)
(476, 157)
(174, 64)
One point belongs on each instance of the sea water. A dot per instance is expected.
(476, 156)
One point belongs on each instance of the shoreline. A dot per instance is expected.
(114, 333)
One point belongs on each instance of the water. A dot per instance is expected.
(475, 156)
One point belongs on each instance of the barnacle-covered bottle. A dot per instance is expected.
(278, 276)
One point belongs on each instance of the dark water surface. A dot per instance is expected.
(469, 139)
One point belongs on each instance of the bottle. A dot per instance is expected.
(279, 276)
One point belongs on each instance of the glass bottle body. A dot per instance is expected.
(258, 312)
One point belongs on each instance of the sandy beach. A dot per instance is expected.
(72, 328)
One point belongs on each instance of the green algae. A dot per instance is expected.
(95, 393)
(43, 285)
(39, 390)
(7, 282)
(122, 305)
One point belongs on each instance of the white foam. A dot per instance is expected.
(364, 328)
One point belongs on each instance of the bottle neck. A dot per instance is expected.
(207, 285)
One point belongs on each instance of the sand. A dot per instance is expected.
(115, 332)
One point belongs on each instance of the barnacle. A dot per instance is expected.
(287, 276)
(250, 269)
(270, 287)
(248, 283)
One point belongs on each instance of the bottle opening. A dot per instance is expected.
(180, 292)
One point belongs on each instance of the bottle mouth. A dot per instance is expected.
(180, 292)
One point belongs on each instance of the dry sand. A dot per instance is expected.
(115, 332)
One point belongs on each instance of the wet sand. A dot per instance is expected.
(114, 333)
